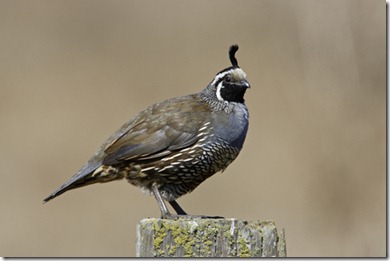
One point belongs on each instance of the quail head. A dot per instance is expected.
(174, 145)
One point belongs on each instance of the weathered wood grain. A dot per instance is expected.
(209, 238)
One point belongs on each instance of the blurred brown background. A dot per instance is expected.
(71, 72)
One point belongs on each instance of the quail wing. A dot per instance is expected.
(154, 133)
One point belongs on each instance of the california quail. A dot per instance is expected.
(174, 145)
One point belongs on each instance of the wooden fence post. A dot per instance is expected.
(209, 238)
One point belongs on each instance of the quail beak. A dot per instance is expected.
(245, 84)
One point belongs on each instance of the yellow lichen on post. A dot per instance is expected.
(208, 238)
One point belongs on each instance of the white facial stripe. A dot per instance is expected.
(219, 87)
(220, 76)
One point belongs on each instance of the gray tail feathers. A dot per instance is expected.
(87, 176)
(74, 182)
(82, 178)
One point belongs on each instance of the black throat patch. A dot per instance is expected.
(233, 93)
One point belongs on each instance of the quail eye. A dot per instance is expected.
(228, 79)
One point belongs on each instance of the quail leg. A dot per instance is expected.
(177, 208)
(163, 208)
(180, 212)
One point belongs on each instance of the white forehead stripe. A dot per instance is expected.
(237, 73)
(219, 76)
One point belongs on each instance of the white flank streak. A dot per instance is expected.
(184, 150)
(202, 139)
(200, 134)
(146, 169)
(174, 156)
(196, 146)
(167, 167)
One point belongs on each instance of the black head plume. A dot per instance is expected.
(232, 51)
